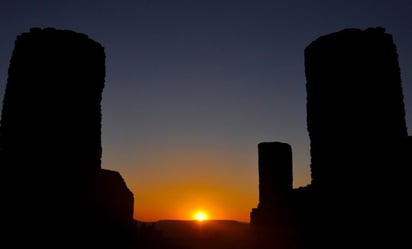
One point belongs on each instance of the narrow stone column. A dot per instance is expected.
(272, 220)
(275, 172)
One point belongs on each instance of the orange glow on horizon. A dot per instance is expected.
(181, 200)
(201, 179)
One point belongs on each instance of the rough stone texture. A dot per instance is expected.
(52, 181)
(356, 125)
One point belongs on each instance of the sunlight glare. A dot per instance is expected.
(200, 216)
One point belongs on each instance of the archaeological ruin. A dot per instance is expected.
(359, 147)
(50, 146)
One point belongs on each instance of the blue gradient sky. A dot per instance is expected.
(193, 86)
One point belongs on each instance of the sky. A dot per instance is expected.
(192, 87)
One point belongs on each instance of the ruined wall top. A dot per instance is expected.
(51, 107)
(355, 72)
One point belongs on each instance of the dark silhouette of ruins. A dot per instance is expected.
(274, 182)
(54, 192)
(357, 129)
(275, 187)
(359, 146)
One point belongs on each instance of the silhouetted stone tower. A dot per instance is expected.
(356, 125)
(275, 172)
(354, 101)
(51, 108)
(50, 152)
(272, 217)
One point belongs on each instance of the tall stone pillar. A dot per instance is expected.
(356, 122)
(354, 102)
(272, 219)
(51, 108)
(275, 173)
(53, 188)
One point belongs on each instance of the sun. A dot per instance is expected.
(200, 216)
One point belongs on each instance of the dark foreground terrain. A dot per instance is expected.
(213, 234)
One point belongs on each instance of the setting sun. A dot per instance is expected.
(200, 216)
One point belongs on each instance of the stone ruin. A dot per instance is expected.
(358, 136)
(359, 146)
(275, 179)
(56, 195)
(53, 187)
(272, 217)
